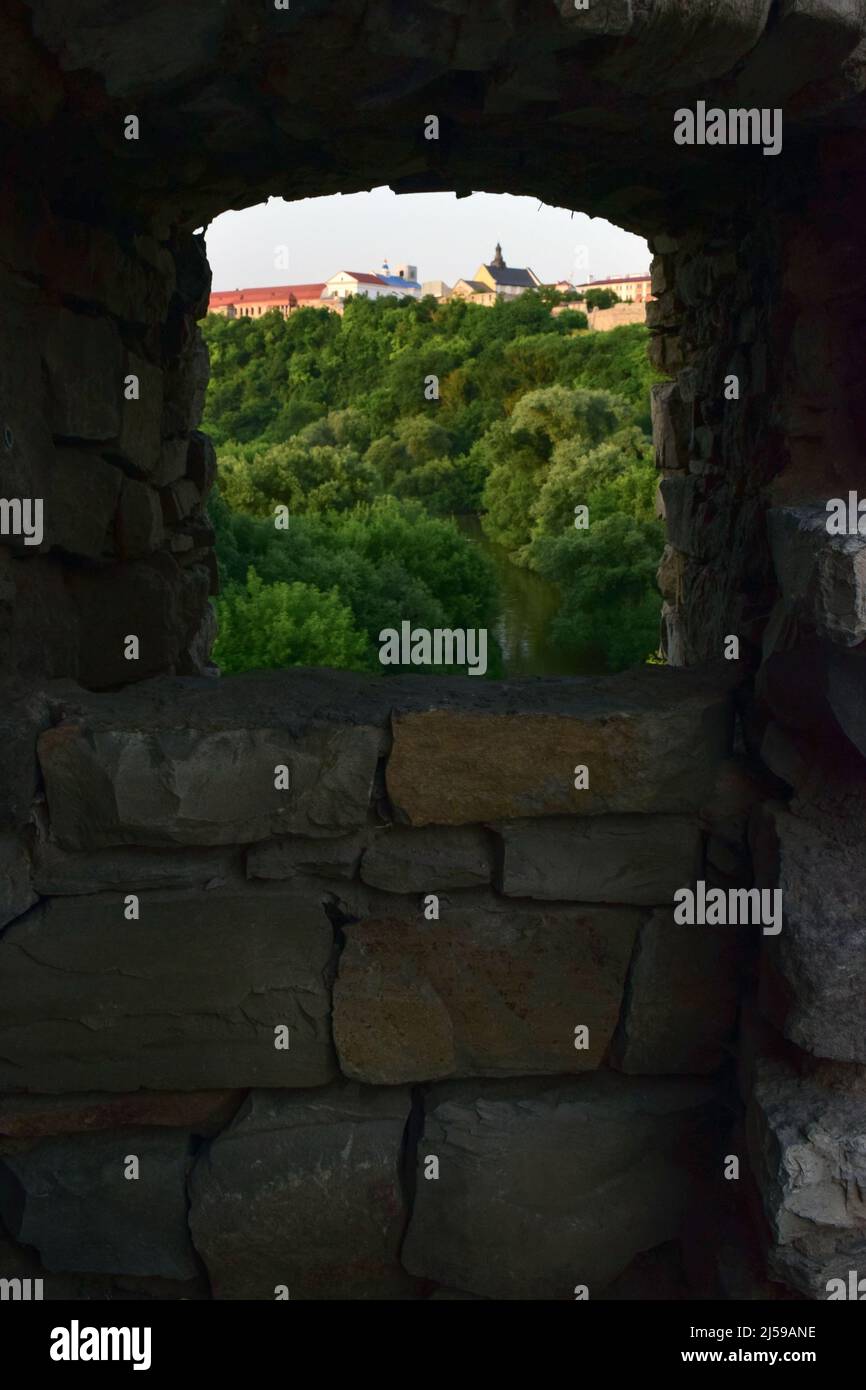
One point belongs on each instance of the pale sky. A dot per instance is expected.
(444, 236)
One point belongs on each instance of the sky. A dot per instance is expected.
(444, 236)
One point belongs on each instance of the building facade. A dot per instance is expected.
(632, 289)
(252, 303)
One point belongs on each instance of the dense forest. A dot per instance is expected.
(350, 448)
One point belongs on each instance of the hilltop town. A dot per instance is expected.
(493, 281)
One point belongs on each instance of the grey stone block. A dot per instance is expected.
(304, 1191)
(17, 892)
(186, 997)
(815, 969)
(204, 786)
(69, 1197)
(807, 1143)
(605, 859)
(544, 1186)
(681, 1000)
(287, 858)
(424, 861)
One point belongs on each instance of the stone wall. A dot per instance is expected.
(154, 1036)
(291, 1005)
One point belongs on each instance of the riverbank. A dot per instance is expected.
(529, 605)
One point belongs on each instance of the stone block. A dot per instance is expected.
(201, 462)
(651, 740)
(815, 969)
(188, 785)
(172, 461)
(59, 873)
(824, 574)
(26, 446)
(130, 54)
(178, 500)
(83, 363)
(681, 1002)
(39, 1117)
(546, 1185)
(141, 418)
(17, 892)
(602, 18)
(187, 996)
(807, 1144)
(304, 1191)
(429, 860)
(639, 860)
(489, 990)
(22, 718)
(185, 389)
(298, 855)
(69, 1197)
(683, 514)
(153, 599)
(81, 503)
(140, 528)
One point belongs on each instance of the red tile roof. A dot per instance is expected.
(276, 294)
(361, 275)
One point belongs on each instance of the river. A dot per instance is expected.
(528, 606)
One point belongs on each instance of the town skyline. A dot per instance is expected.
(445, 237)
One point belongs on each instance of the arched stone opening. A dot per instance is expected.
(758, 282)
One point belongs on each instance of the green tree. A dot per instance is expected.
(606, 575)
(601, 299)
(273, 626)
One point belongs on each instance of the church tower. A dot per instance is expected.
(497, 259)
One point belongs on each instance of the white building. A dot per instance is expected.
(347, 283)
(632, 289)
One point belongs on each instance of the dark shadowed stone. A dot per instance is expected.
(299, 855)
(419, 861)
(70, 1199)
(17, 891)
(139, 520)
(304, 1191)
(491, 990)
(58, 872)
(35, 1117)
(681, 999)
(650, 745)
(606, 859)
(152, 599)
(543, 1185)
(141, 420)
(83, 362)
(815, 969)
(671, 426)
(22, 717)
(186, 997)
(131, 55)
(202, 783)
(80, 508)
(807, 1143)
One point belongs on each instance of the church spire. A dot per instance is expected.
(497, 259)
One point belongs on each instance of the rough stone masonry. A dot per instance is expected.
(431, 1085)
